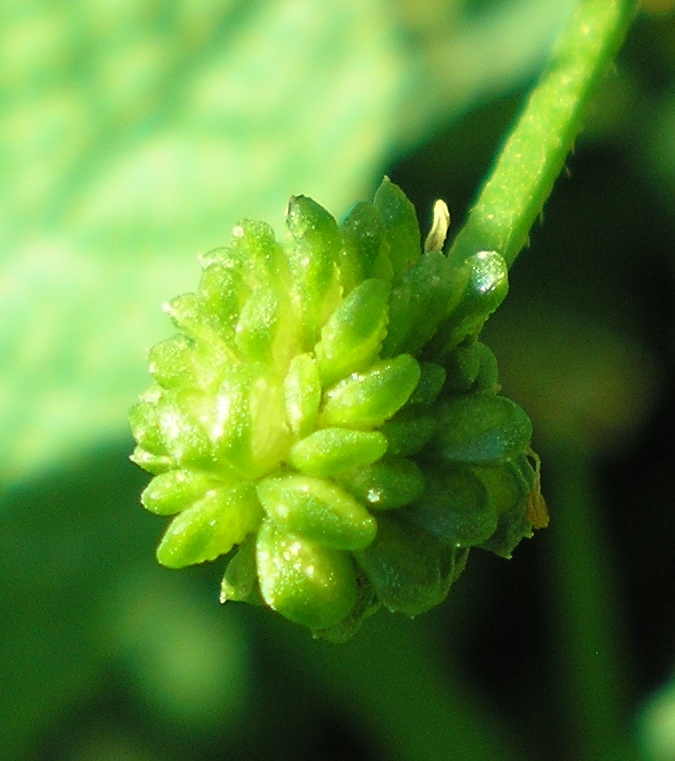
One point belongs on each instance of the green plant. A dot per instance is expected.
(327, 406)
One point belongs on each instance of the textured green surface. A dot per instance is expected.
(268, 418)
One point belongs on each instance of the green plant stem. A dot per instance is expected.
(586, 614)
(535, 152)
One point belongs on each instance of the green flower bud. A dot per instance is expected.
(327, 419)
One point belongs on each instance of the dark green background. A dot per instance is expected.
(133, 135)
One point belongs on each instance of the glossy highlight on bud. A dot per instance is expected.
(327, 420)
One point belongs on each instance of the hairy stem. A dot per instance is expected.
(536, 149)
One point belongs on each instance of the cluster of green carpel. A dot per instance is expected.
(327, 418)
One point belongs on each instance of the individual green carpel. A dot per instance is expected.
(190, 314)
(316, 509)
(367, 604)
(366, 247)
(174, 362)
(222, 288)
(387, 484)
(150, 452)
(252, 252)
(410, 570)
(306, 582)
(432, 379)
(426, 293)
(210, 527)
(487, 380)
(302, 394)
(401, 225)
(486, 289)
(366, 399)
(174, 490)
(256, 328)
(185, 423)
(144, 421)
(482, 429)
(485, 284)
(462, 367)
(327, 420)
(269, 434)
(504, 483)
(456, 508)
(410, 431)
(312, 258)
(247, 429)
(330, 451)
(352, 337)
(240, 581)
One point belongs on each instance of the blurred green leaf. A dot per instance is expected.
(471, 51)
(134, 138)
